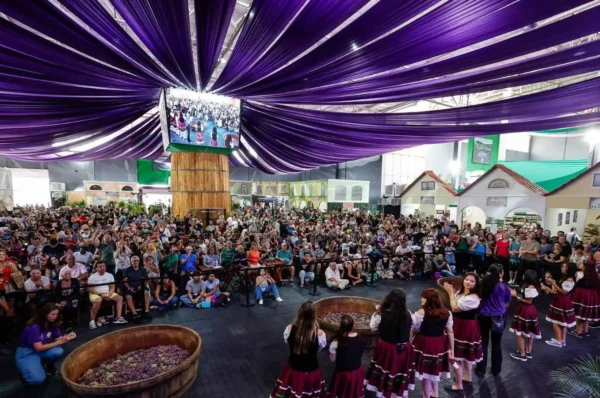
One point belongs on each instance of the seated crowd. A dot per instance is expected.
(129, 264)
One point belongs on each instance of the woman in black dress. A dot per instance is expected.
(301, 376)
(392, 369)
(346, 350)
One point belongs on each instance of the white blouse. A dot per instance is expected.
(375, 321)
(321, 338)
(531, 292)
(418, 321)
(578, 276)
(567, 285)
(467, 303)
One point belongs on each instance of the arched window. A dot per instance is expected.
(303, 190)
(323, 189)
(95, 188)
(293, 190)
(357, 192)
(127, 188)
(340, 192)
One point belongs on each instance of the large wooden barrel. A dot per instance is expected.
(173, 383)
(346, 304)
(199, 180)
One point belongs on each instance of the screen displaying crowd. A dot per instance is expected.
(203, 120)
(156, 263)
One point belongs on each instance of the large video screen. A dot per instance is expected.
(203, 120)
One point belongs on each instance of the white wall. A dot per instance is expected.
(472, 215)
(348, 184)
(31, 187)
(552, 220)
(517, 197)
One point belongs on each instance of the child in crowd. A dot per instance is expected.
(346, 350)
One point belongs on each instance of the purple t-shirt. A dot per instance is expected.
(495, 304)
(32, 334)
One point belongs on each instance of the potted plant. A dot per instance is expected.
(580, 379)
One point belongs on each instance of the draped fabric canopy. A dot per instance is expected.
(81, 79)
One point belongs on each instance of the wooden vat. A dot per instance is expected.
(199, 180)
(455, 281)
(173, 383)
(339, 304)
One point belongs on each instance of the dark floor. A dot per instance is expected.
(243, 350)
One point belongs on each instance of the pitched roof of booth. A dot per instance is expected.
(594, 168)
(532, 186)
(431, 174)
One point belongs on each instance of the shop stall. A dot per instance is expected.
(241, 193)
(430, 196)
(575, 204)
(502, 196)
(309, 194)
(271, 194)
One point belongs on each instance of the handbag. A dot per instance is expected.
(205, 304)
(498, 323)
(18, 279)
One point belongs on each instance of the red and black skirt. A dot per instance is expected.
(561, 311)
(586, 303)
(432, 361)
(348, 384)
(525, 322)
(295, 384)
(467, 340)
(391, 372)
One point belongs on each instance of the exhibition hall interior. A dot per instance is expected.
(300, 198)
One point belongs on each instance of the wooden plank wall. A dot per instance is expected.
(199, 180)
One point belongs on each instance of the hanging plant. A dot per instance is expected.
(580, 379)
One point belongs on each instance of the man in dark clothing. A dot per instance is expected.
(54, 249)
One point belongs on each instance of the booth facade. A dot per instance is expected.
(575, 204)
(241, 193)
(502, 196)
(431, 196)
(308, 194)
(348, 193)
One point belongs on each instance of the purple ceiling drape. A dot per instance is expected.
(452, 26)
(97, 18)
(321, 16)
(212, 22)
(265, 21)
(163, 27)
(396, 85)
(98, 81)
(292, 139)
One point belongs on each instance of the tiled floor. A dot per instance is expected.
(243, 350)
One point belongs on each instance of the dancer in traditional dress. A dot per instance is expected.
(346, 350)
(586, 301)
(467, 336)
(561, 312)
(301, 376)
(392, 371)
(433, 342)
(525, 319)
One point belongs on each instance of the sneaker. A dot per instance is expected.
(554, 343)
(199, 305)
(529, 355)
(119, 321)
(154, 307)
(93, 324)
(575, 334)
(518, 356)
(511, 282)
(279, 299)
(586, 334)
(260, 302)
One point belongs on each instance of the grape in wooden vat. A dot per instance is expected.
(172, 383)
(330, 310)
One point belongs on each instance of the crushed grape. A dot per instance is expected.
(134, 366)
(361, 321)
